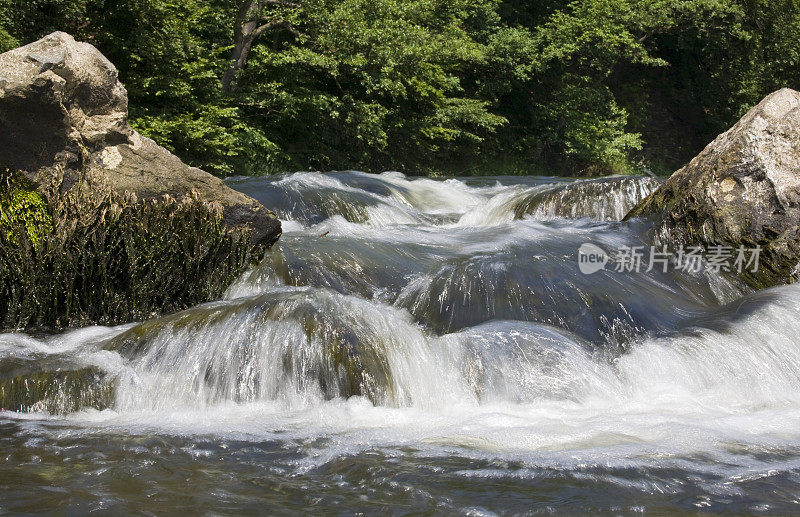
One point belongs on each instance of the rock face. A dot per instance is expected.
(99, 224)
(743, 189)
(61, 105)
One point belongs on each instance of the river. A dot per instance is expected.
(415, 345)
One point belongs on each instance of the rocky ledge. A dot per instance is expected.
(97, 222)
(742, 190)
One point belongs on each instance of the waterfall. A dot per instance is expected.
(446, 321)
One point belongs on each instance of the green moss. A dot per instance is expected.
(22, 208)
(56, 392)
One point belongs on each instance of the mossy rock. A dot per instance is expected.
(57, 392)
(598, 199)
(99, 224)
(743, 190)
(344, 358)
(89, 256)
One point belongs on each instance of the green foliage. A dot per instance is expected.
(370, 84)
(577, 51)
(7, 41)
(23, 18)
(423, 86)
(611, 83)
(170, 54)
(593, 128)
(212, 135)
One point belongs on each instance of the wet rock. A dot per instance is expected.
(743, 189)
(605, 199)
(57, 392)
(63, 107)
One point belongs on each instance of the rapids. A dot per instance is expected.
(417, 345)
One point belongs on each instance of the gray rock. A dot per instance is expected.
(63, 108)
(743, 189)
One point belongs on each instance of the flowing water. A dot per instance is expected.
(417, 346)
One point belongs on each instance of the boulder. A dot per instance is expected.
(99, 224)
(743, 189)
(63, 107)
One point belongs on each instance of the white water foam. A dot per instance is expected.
(427, 201)
(726, 390)
(504, 389)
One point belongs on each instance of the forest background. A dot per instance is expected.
(427, 87)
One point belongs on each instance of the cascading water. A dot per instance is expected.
(424, 345)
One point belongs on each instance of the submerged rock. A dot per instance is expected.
(129, 229)
(257, 348)
(743, 189)
(57, 392)
(604, 199)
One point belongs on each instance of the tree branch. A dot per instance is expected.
(269, 26)
(283, 3)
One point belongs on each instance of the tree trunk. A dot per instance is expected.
(246, 23)
(239, 55)
(245, 32)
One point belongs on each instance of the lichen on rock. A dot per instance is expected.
(743, 189)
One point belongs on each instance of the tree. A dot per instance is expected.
(605, 84)
(251, 22)
(424, 86)
(369, 84)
